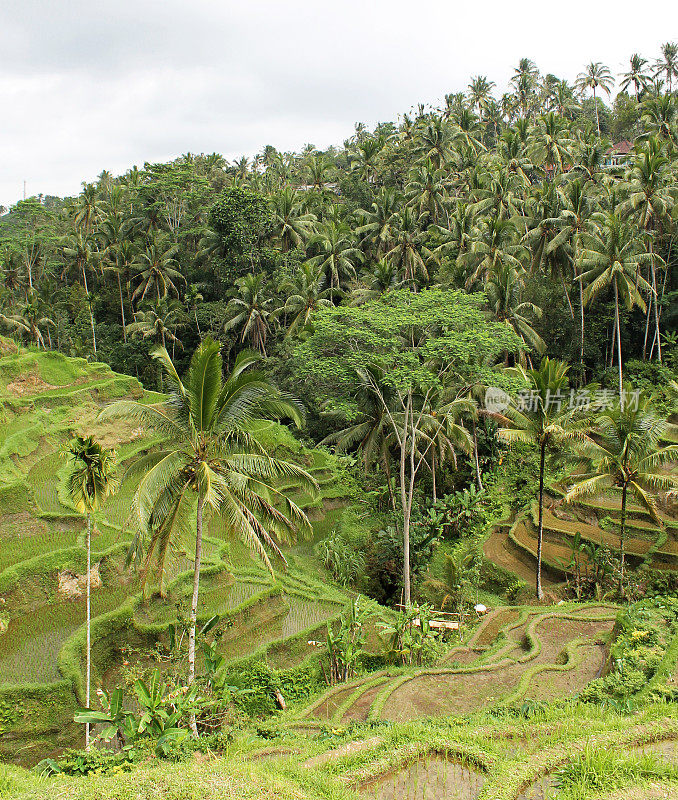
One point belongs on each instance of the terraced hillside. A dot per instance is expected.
(45, 398)
(517, 653)
(597, 521)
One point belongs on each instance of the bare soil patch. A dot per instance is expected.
(28, 385)
(360, 710)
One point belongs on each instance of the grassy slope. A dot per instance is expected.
(44, 399)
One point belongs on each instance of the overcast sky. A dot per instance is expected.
(103, 84)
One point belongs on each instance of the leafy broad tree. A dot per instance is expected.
(403, 348)
(91, 480)
(210, 459)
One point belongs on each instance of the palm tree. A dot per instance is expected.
(159, 322)
(668, 63)
(595, 76)
(119, 253)
(81, 249)
(436, 142)
(550, 144)
(292, 227)
(364, 156)
(157, 269)
(494, 244)
(382, 277)
(317, 168)
(426, 191)
(610, 257)
(480, 93)
(192, 299)
(659, 116)
(211, 460)
(90, 481)
(576, 208)
(371, 433)
(32, 319)
(625, 454)
(649, 185)
(543, 421)
(637, 75)
(250, 311)
(503, 289)
(306, 293)
(408, 252)
(337, 254)
(377, 223)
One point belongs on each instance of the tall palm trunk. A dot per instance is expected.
(122, 309)
(654, 298)
(91, 313)
(619, 350)
(88, 623)
(194, 605)
(622, 531)
(595, 104)
(540, 532)
(476, 458)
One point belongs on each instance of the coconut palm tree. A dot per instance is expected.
(119, 253)
(550, 144)
(371, 433)
(611, 257)
(626, 454)
(667, 65)
(376, 225)
(250, 311)
(426, 192)
(210, 460)
(576, 208)
(157, 269)
(337, 255)
(595, 76)
(480, 93)
(32, 319)
(659, 115)
(408, 253)
(90, 481)
(543, 420)
(292, 227)
(637, 75)
(436, 142)
(305, 293)
(159, 322)
(649, 186)
(382, 277)
(81, 250)
(192, 299)
(503, 289)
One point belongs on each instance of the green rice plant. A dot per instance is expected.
(600, 770)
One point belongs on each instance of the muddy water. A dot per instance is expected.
(435, 778)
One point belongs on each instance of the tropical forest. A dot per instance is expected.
(352, 472)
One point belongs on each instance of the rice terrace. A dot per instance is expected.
(351, 472)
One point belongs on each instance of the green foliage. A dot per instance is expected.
(345, 644)
(412, 642)
(643, 634)
(340, 559)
